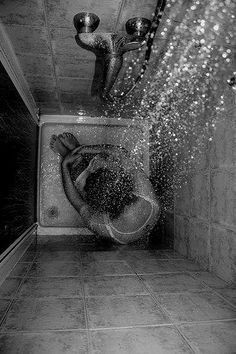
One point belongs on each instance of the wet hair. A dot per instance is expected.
(109, 191)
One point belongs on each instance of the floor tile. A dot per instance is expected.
(42, 314)
(144, 254)
(57, 256)
(123, 311)
(50, 269)
(20, 270)
(151, 340)
(115, 285)
(101, 256)
(106, 268)
(196, 307)
(56, 287)
(164, 283)
(228, 294)
(171, 254)
(146, 266)
(4, 303)
(28, 257)
(9, 287)
(71, 342)
(211, 338)
(210, 279)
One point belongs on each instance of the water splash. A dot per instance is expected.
(185, 93)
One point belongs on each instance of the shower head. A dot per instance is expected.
(86, 22)
(138, 27)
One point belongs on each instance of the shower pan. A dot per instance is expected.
(55, 213)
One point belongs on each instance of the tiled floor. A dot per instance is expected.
(62, 298)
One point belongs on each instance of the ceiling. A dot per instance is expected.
(59, 73)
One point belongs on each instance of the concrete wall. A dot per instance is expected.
(205, 208)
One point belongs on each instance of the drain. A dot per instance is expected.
(52, 212)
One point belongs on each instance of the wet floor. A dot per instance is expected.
(78, 298)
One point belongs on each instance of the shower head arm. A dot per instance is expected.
(133, 46)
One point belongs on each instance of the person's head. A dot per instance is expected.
(109, 191)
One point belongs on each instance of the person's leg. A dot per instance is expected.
(57, 146)
(69, 141)
(63, 143)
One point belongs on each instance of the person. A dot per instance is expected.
(113, 196)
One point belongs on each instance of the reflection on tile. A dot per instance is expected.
(50, 269)
(223, 149)
(223, 246)
(123, 311)
(57, 256)
(36, 65)
(22, 12)
(163, 266)
(71, 342)
(63, 43)
(172, 254)
(151, 340)
(211, 338)
(199, 242)
(115, 285)
(228, 294)
(27, 257)
(196, 307)
(49, 107)
(106, 268)
(44, 95)
(182, 204)
(223, 207)
(41, 83)
(210, 279)
(60, 13)
(29, 39)
(73, 85)
(172, 283)
(40, 314)
(71, 66)
(181, 240)
(9, 287)
(140, 8)
(101, 256)
(144, 254)
(56, 287)
(19, 270)
(200, 196)
(3, 307)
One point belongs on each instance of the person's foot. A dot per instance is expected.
(57, 146)
(69, 140)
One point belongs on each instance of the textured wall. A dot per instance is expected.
(205, 208)
(18, 154)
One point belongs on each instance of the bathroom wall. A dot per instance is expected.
(18, 159)
(205, 208)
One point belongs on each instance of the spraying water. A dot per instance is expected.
(185, 92)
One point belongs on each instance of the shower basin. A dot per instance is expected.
(55, 213)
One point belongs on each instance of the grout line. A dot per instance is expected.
(215, 291)
(14, 297)
(118, 328)
(85, 307)
(122, 5)
(152, 294)
(52, 56)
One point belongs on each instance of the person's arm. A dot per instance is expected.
(143, 185)
(99, 149)
(71, 192)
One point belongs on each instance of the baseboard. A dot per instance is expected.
(15, 251)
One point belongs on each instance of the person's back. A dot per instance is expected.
(114, 198)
